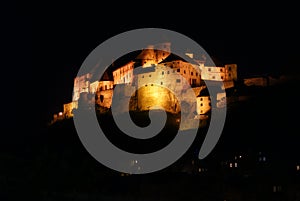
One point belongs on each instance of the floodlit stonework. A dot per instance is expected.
(153, 86)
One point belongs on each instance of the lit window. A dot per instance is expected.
(230, 165)
(298, 167)
(235, 164)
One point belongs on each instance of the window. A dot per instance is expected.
(162, 72)
(146, 85)
(221, 70)
(201, 104)
(161, 83)
(101, 98)
(192, 73)
(201, 99)
(229, 68)
(222, 77)
(150, 75)
(168, 72)
(178, 70)
(229, 74)
(173, 71)
(142, 76)
(178, 80)
(105, 87)
(213, 77)
(151, 84)
(196, 74)
(209, 69)
(184, 72)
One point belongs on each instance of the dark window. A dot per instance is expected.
(229, 68)
(101, 98)
(221, 70)
(209, 69)
(201, 99)
(196, 74)
(184, 72)
(192, 73)
(178, 70)
(162, 72)
(150, 75)
(213, 77)
(151, 84)
(201, 104)
(168, 72)
(161, 83)
(178, 80)
(222, 77)
(105, 87)
(142, 76)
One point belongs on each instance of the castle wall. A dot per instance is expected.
(81, 84)
(153, 95)
(68, 109)
(104, 98)
(226, 73)
(189, 71)
(124, 74)
(203, 104)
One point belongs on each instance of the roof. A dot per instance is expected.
(175, 57)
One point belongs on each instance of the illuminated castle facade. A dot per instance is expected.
(155, 83)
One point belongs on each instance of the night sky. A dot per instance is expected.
(52, 41)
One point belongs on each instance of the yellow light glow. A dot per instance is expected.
(60, 113)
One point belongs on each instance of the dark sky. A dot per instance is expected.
(54, 39)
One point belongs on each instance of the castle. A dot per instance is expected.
(155, 83)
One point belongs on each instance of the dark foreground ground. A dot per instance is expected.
(255, 159)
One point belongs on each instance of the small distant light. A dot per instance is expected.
(136, 161)
(60, 113)
(199, 170)
(264, 158)
(240, 156)
(298, 167)
(235, 164)
(230, 165)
